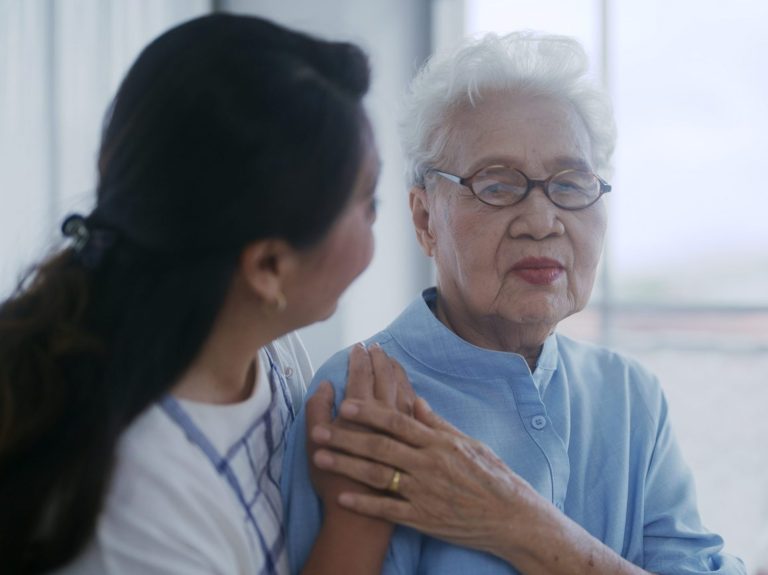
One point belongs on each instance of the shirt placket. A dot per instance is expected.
(536, 421)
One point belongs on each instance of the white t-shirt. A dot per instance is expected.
(195, 489)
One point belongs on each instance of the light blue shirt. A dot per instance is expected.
(589, 430)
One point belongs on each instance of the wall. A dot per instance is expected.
(395, 33)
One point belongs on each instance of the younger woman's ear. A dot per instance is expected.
(266, 265)
(420, 214)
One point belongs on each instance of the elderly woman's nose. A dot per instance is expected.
(536, 217)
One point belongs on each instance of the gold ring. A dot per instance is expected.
(394, 483)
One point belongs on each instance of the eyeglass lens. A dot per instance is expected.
(500, 186)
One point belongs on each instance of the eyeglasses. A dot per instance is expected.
(503, 186)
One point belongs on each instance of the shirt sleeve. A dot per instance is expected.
(302, 510)
(674, 539)
(296, 366)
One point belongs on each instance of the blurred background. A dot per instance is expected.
(684, 280)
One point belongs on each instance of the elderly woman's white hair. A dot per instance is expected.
(521, 62)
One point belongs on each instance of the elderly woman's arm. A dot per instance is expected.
(454, 488)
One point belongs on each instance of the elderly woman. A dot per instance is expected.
(578, 470)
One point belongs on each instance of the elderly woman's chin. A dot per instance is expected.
(510, 315)
(545, 308)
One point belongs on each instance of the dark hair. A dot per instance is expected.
(226, 130)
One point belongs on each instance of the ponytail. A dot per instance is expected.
(83, 351)
(49, 367)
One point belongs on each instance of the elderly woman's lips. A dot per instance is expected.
(538, 271)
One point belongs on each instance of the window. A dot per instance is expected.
(60, 64)
(684, 284)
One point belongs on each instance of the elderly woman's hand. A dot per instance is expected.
(450, 486)
(455, 488)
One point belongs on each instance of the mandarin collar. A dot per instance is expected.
(429, 341)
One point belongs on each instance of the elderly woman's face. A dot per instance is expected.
(530, 263)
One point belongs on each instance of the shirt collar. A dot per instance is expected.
(429, 341)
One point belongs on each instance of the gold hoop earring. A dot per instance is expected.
(279, 303)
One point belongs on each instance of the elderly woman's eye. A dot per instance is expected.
(575, 184)
(491, 189)
(567, 187)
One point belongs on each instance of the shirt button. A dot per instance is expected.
(288, 371)
(539, 422)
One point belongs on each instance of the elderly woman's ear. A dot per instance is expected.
(420, 214)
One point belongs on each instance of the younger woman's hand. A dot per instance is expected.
(363, 539)
(373, 376)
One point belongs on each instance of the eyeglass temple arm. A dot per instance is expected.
(448, 176)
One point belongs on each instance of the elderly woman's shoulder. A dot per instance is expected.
(570, 348)
(335, 368)
(605, 370)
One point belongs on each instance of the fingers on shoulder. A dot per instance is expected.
(406, 397)
(385, 386)
(319, 406)
(360, 382)
(394, 423)
(423, 413)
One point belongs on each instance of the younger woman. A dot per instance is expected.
(147, 371)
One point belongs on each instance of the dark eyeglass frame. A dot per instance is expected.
(605, 187)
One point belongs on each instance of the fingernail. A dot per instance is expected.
(360, 344)
(426, 405)
(349, 409)
(320, 433)
(375, 345)
(346, 499)
(323, 459)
